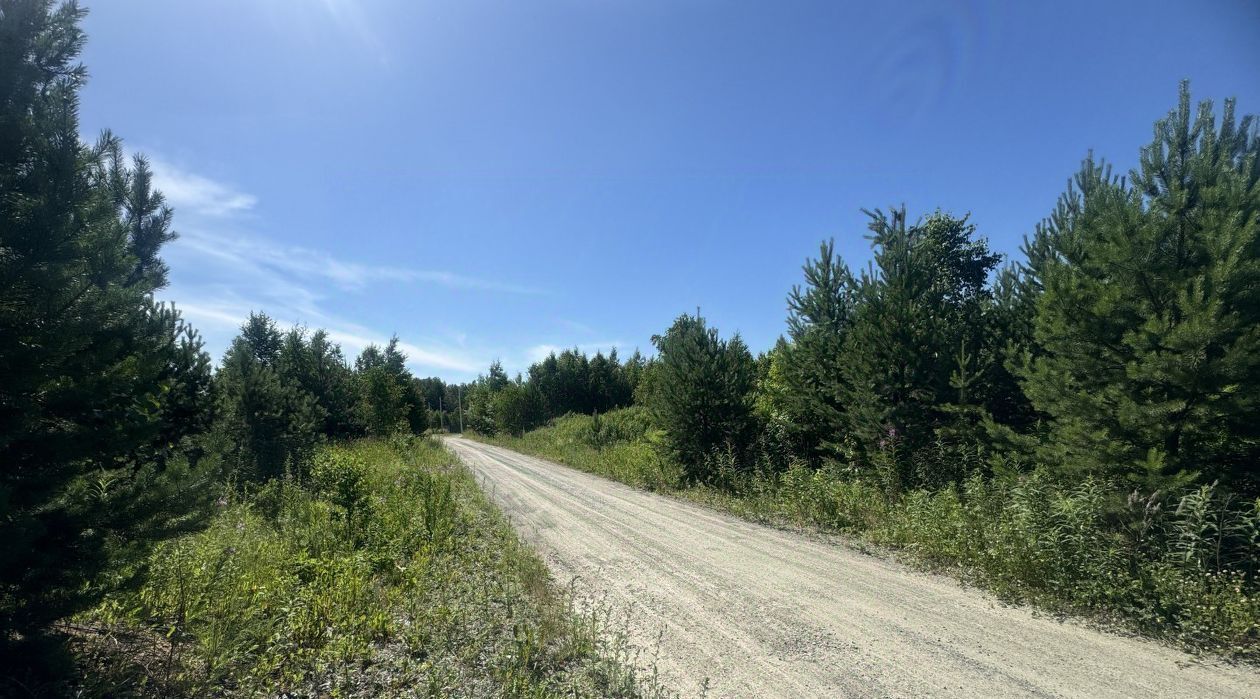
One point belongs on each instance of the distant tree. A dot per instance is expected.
(389, 399)
(1146, 352)
(645, 388)
(518, 407)
(100, 386)
(380, 405)
(267, 423)
(433, 391)
(631, 373)
(703, 400)
(318, 367)
(496, 379)
(479, 413)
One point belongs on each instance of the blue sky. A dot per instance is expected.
(496, 179)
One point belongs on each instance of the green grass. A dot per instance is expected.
(1182, 568)
(388, 573)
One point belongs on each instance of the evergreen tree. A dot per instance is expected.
(1147, 332)
(268, 424)
(518, 407)
(389, 399)
(496, 379)
(331, 383)
(381, 405)
(912, 348)
(101, 385)
(631, 373)
(704, 399)
(479, 414)
(803, 381)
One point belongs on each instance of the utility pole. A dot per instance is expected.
(459, 398)
(441, 415)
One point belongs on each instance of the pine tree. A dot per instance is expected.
(101, 384)
(518, 407)
(268, 424)
(916, 334)
(704, 399)
(1147, 333)
(805, 374)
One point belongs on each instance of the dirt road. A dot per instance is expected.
(759, 612)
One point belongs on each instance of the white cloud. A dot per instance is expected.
(188, 192)
(431, 357)
(220, 275)
(224, 317)
(254, 253)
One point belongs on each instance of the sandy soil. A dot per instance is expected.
(758, 612)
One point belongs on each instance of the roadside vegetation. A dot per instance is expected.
(381, 571)
(1184, 573)
(1078, 428)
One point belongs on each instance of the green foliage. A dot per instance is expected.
(1179, 566)
(803, 385)
(429, 590)
(479, 415)
(568, 382)
(621, 444)
(340, 477)
(317, 366)
(267, 423)
(916, 346)
(704, 401)
(518, 407)
(389, 399)
(1148, 328)
(103, 389)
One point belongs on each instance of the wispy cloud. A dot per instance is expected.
(187, 192)
(222, 274)
(223, 315)
(254, 252)
(423, 356)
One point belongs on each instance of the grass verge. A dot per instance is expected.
(389, 573)
(1183, 569)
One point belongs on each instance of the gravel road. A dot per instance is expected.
(759, 612)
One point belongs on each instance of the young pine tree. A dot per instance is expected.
(804, 377)
(703, 400)
(912, 350)
(267, 424)
(388, 398)
(1147, 333)
(102, 386)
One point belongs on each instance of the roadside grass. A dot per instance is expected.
(1181, 568)
(386, 573)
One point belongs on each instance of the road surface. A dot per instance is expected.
(759, 612)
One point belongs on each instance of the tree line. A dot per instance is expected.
(568, 382)
(1124, 346)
